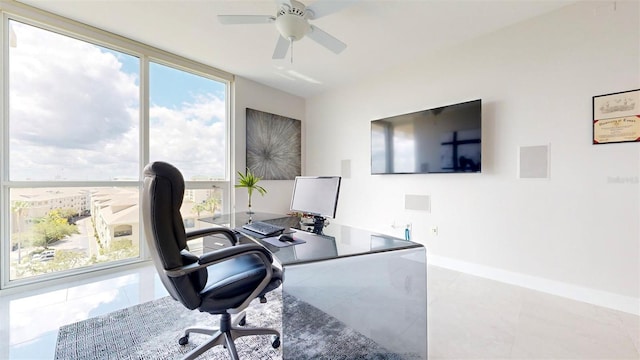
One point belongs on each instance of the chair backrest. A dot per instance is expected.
(164, 232)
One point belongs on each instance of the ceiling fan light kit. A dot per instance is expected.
(292, 22)
(292, 27)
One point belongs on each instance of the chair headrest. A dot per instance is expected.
(172, 174)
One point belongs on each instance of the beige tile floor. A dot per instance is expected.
(475, 318)
(468, 318)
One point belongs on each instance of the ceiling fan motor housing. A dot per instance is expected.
(292, 21)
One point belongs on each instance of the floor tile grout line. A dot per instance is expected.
(517, 325)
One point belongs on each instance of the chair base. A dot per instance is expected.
(226, 335)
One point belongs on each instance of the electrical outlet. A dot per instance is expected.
(434, 231)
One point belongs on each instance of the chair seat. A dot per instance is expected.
(230, 282)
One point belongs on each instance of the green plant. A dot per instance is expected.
(250, 181)
(51, 228)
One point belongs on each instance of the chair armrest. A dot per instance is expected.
(226, 253)
(213, 231)
(220, 256)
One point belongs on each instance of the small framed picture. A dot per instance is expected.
(616, 117)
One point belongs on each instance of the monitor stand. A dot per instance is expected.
(318, 224)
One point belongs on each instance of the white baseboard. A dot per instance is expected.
(606, 299)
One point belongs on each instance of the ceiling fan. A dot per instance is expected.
(292, 22)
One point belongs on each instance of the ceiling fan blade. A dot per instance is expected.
(284, 2)
(282, 46)
(322, 8)
(245, 19)
(326, 40)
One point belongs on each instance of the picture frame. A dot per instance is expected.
(274, 145)
(616, 117)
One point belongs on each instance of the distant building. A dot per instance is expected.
(39, 201)
(114, 211)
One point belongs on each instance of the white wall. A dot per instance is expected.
(249, 94)
(577, 233)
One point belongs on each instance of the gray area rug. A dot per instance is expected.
(151, 331)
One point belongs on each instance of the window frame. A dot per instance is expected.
(11, 11)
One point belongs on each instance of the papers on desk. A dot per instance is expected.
(275, 241)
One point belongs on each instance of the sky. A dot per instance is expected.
(74, 113)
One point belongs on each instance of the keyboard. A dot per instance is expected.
(263, 228)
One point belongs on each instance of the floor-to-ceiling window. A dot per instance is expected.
(188, 128)
(81, 119)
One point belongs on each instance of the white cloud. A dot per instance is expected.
(74, 115)
(191, 136)
(67, 93)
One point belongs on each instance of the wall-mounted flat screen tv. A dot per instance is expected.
(440, 140)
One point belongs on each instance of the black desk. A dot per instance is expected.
(373, 283)
(337, 241)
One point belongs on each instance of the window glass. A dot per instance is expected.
(54, 229)
(75, 150)
(187, 115)
(73, 109)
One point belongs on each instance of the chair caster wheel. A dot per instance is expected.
(243, 321)
(276, 342)
(184, 340)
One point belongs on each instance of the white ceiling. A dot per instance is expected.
(380, 34)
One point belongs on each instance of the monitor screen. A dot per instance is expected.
(316, 195)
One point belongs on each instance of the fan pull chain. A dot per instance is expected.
(291, 46)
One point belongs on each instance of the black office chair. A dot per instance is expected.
(221, 282)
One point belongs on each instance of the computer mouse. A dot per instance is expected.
(286, 238)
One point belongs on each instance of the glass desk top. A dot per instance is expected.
(337, 241)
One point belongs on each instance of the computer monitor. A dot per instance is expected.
(316, 195)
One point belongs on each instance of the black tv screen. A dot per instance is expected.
(440, 140)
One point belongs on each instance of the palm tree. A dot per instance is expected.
(211, 204)
(250, 181)
(198, 208)
(19, 208)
